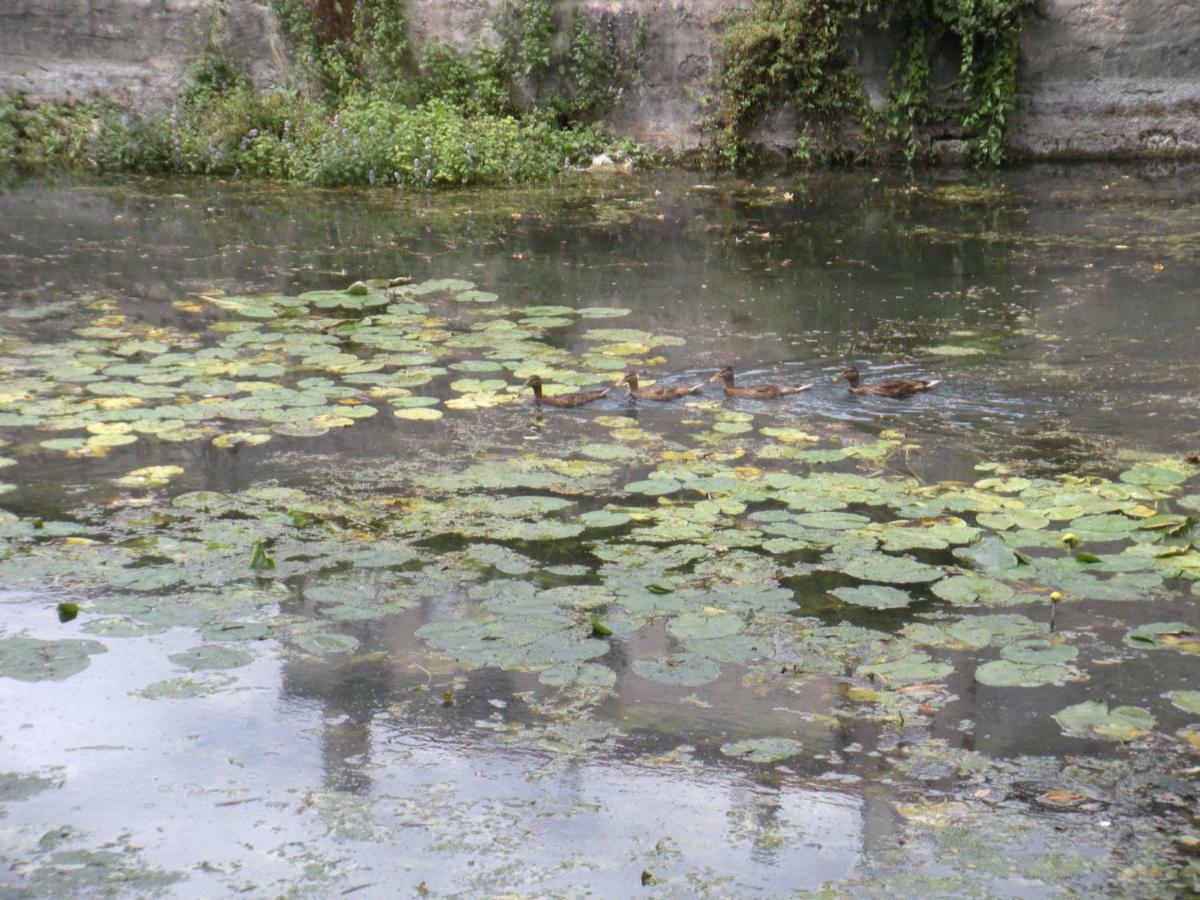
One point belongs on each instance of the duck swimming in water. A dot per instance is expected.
(563, 401)
(890, 387)
(658, 391)
(756, 391)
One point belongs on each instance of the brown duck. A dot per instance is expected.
(563, 401)
(891, 387)
(756, 391)
(658, 391)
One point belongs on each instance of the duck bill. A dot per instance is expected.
(837, 378)
(717, 377)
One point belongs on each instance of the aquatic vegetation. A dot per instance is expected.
(711, 588)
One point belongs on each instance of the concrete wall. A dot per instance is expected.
(1099, 77)
(136, 51)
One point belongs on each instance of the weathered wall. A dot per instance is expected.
(136, 51)
(1099, 77)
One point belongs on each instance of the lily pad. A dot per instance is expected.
(1093, 718)
(1171, 635)
(891, 569)
(875, 596)
(678, 671)
(31, 659)
(763, 750)
(211, 656)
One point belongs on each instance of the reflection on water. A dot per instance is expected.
(1057, 305)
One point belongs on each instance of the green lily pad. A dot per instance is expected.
(678, 671)
(1188, 701)
(1006, 673)
(654, 487)
(875, 596)
(916, 667)
(325, 644)
(1172, 635)
(891, 569)
(763, 750)
(971, 590)
(211, 656)
(583, 674)
(31, 659)
(603, 518)
(1039, 652)
(1093, 718)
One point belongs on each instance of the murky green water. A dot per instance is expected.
(353, 616)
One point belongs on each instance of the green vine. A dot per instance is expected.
(796, 53)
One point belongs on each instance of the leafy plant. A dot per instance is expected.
(795, 53)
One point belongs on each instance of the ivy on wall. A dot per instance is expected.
(796, 53)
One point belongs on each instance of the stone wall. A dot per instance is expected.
(1098, 78)
(136, 51)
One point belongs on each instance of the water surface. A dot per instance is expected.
(343, 728)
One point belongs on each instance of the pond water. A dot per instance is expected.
(302, 595)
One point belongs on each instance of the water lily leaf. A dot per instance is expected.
(990, 554)
(603, 518)
(1039, 652)
(654, 487)
(949, 350)
(150, 476)
(681, 670)
(700, 626)
(1188, 701)
(239, 438)
(1153, 476)
(763, 750)
(237, 631)
(419, 414)
(184, 688)
(608, 452)
(970, 590)
(1093, 718)
(584, 674)
(875, 596)
(474, 296)
(1172, 635)
(325, 644)
(31, 659)
(1006, 673)
(211, 656)
(891, 569)
(914, 668)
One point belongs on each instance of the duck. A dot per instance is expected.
(891, 387)
(562, 401)
(658, 391)
(756, 391)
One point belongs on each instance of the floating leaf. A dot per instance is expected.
(874, 596)
(211, 656)
(259, 560)
(1093, 718)
(681, 671)
(583, 674)
(31, 659)
(1188, 701)
(325, 644)
(891, 569)
(1172, 635)
(763, 750)
(916, 667)
(969, 590)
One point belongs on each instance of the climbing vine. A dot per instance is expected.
(797, 54)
